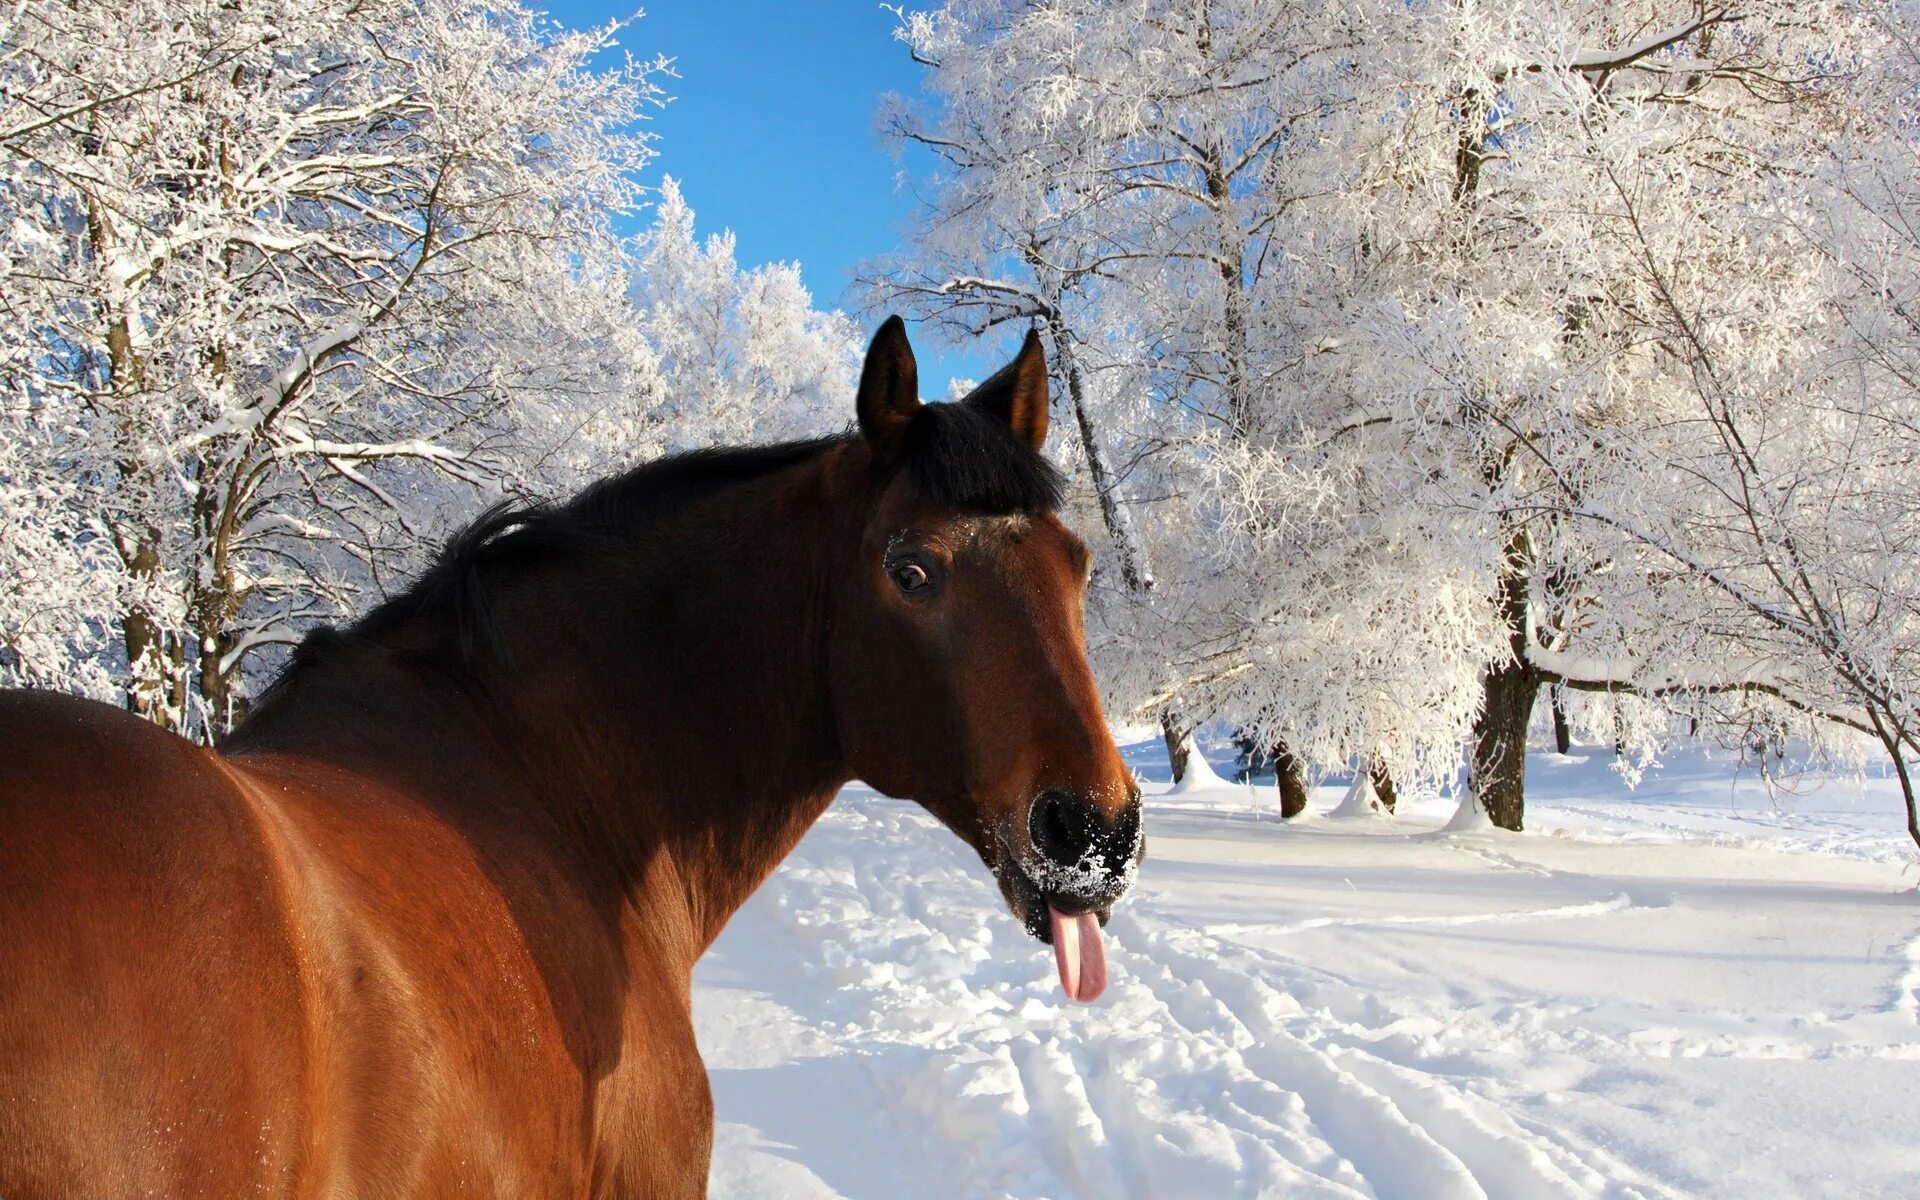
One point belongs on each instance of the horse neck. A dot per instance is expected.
(662, 718)
(682, 696)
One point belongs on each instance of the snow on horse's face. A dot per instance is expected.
(958, 665)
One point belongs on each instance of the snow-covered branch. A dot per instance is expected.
(274, 322)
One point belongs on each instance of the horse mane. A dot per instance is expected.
(953, 454)
(964, 457)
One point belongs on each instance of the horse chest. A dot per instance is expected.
(490, 1033)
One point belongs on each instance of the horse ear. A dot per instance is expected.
(1017, 393)
(889, 388)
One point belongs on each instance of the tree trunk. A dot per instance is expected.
(215, 685)
(152, 657)
(1291, 779)
(178, 685)
(1913, 807)
(1906, 791)
(1498, 776)
(1562, 737)
(1893, 736)
(1135, 570)
(138, 635)
(152, 654)
(217, 601)
(1383, 788)
(1176, 739)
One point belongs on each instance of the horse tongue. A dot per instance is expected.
(1079, 954)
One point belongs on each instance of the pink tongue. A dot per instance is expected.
(1079, 954)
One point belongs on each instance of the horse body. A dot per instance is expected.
(425, 924)
(275, 976)
(126, 907)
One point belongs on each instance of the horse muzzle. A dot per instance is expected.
(1062, 883)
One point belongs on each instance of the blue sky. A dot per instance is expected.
(771, 133)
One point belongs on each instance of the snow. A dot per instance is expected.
(1199, 776)
(1359, 800)
(1606, 60)
(1700, 988)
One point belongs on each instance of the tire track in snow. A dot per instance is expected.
(1395, 1156)
(1496, 1155)
(1616, 903)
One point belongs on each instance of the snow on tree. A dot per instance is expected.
(1413, 295)
(1773, 516)
(296, 286)
(55, 565)
(1619, 179)
(743, 353)
(1465, 296)
(277, 275)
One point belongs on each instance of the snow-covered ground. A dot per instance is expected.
(1696, 989)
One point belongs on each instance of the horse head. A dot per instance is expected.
(958, 665)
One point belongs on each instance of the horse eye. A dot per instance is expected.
(910, 577)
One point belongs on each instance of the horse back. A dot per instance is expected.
(151, 1027)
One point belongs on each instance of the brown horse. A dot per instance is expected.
(425, 925)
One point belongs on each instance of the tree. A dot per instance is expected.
(1057, 196)
(743, 354)
(55, 566)
(1410, 288)
(1004, 240)
(1774, 514)
(279, 274)
(1483, 305)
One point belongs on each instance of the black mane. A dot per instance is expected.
(953, 454)
(965, 457)
(596, 520)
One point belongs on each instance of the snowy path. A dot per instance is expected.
(1336, 1008)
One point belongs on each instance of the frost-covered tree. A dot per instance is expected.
(1772, 518)
(1093, 154)
(1397, 280)
(276, 274)
(1153, 155)
(56, 572)
(1591, 182)
(1004, 241)
(743, 354)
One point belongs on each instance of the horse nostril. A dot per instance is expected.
(1062, 828)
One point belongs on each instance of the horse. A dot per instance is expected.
(424, 923)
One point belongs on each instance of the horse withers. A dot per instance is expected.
(425, 924)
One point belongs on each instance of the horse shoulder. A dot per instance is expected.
(496, 1025)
